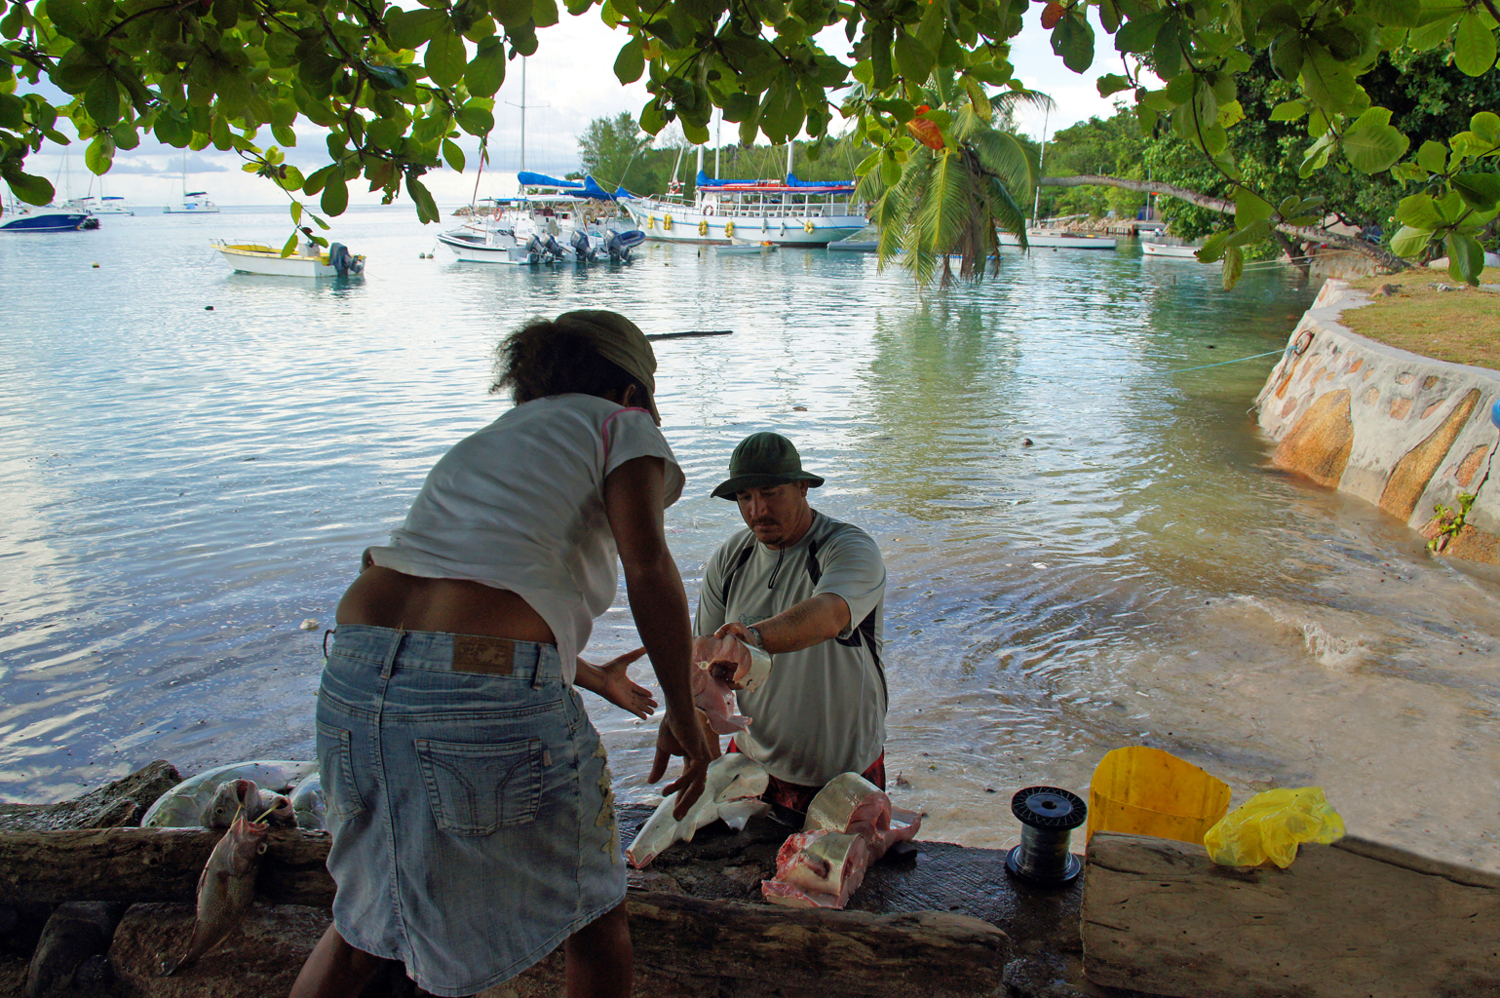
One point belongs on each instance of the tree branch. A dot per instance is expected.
(1309, 233)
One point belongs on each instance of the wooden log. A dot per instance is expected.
(151, 864)
(1352, 920)
(685, 944)
(750, 949)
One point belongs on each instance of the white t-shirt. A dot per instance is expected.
(520, 506)
(821, 712)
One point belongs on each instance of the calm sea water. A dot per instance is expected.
(191, 462)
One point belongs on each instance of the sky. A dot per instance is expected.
(568, 83)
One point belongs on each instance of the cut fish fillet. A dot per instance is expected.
(818, 869)
(853, 805)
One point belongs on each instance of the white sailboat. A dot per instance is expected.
(193, 202)
(1053, 238)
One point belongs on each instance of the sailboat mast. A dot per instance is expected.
(1036, 205)
(523, 114)
(483, 148)
(790, 149)
(718, 144)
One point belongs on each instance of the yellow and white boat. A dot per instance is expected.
(258, 258)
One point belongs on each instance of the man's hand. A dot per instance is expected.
(727, 654)
(612, 682)
(691, 741)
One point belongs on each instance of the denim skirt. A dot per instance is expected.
(469, 801)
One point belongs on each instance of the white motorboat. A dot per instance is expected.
(1173, 251)
(307, 262)
(551, 221)
(1059, 239)
(746, 248)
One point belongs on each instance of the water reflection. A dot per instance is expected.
(188, 487)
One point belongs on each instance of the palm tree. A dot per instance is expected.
(954, 190)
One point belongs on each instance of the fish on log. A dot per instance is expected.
(693, 945)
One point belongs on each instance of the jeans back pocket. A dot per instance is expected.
(336, 768)
(475, 789)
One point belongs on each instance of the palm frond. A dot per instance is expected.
(1006, 101)
(1002, 156)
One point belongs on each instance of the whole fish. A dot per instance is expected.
(184, 804)
(730, 789)
(275, 810)
(308, 806)
(233, 798)
(225, 889)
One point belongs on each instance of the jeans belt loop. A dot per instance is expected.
(391, 653)
(536, 668)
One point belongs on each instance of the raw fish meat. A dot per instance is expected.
(818, 869)
(852, 804)
(715, 697)
(733, 783)
(713, 686)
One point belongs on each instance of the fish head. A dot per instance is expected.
(232, 797)
(247, 843)
(738, 778)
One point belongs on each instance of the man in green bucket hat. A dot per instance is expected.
(809, 591)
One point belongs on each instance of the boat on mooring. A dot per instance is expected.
(306, 262)
(1165, 247)
(1059, 239)
(787, 212)
(26, 219)
(550, 222)
(193, 202)
(746, 248)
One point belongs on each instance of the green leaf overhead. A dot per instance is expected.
(399, 89)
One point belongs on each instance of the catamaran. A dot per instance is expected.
(193, 202)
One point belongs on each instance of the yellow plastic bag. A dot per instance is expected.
(1145, 791)
(1270, 825)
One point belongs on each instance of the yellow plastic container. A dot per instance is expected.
(1145, 791)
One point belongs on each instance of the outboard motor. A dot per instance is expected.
(555, 248)
(580, 244)
(619, 244)
(536, 250)
(339, 258)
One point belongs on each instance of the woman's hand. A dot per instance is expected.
(697, 745)
(612, 682)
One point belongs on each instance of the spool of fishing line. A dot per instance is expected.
(1048, 815)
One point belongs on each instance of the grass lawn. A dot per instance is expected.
(1461, 326)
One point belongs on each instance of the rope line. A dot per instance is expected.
(1221, 363)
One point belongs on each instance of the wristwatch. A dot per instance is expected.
(755, 638)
